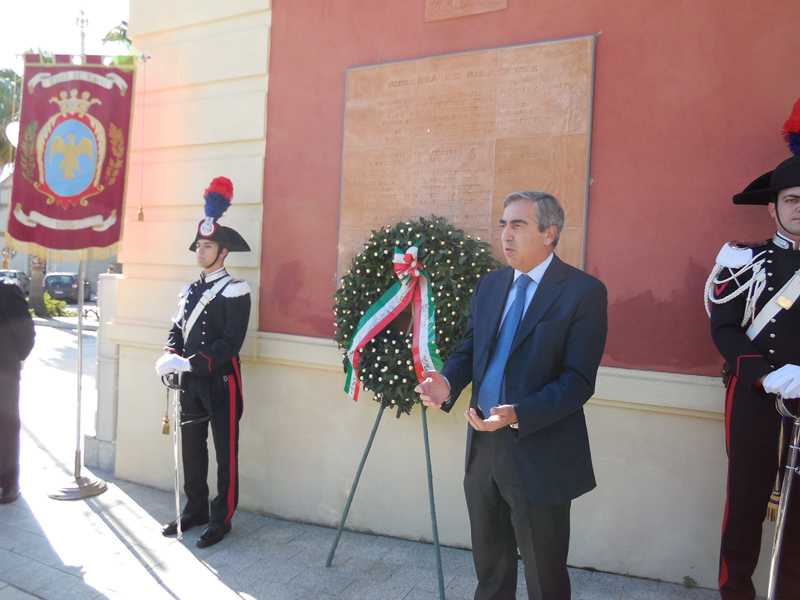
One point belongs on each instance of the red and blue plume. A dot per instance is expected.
(791, 130)
(218, 197)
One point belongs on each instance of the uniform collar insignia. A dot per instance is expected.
(218, 274)
(782, 241)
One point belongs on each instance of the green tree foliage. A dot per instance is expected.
(10, 86)
(119, 34)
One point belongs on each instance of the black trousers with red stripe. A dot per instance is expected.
(752, 433)
(216, 401)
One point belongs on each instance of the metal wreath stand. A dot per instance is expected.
(437, 548)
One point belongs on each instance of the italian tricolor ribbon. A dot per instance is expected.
(414, 284)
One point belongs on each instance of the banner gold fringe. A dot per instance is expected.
(61, 255)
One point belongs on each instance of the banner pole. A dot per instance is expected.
(435, 528)
(355, 485)
(79, 370)
(84, 487)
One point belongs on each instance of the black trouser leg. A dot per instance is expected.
(225, 429)
(752, 428)
(502, 519)
(9, 431)
(194, 444)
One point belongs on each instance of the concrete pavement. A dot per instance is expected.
(110, 546)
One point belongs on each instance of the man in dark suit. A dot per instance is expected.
(16, 342)
(534, 340)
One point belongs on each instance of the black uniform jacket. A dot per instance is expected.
(778, 343)
(549, 376)
(16, 329)
(219, 332)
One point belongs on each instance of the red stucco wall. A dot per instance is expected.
(689, 101)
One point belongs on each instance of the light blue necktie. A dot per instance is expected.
(492, 390)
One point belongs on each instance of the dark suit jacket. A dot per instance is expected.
(16, 329)
(550, 374)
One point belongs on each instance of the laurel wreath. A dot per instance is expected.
(117, 149)
(27, 158)
(454, 261)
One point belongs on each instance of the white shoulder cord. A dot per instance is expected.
(754, 286)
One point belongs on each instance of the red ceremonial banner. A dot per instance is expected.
(70, 173)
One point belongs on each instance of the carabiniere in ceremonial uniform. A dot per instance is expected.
(208, 331)
(752, 297)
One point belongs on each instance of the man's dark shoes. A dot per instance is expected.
(213, 534)
(187, 522)
(9, 495)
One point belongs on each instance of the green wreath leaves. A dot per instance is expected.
(455, 262)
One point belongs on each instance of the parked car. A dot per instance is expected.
(19, 278)
(64, 286)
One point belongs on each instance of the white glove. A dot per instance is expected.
(784, 381)
(172, 363)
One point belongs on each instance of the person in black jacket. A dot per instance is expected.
(208, 331)
(16, 342)
(751, 297)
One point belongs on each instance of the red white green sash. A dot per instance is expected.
(414, 284)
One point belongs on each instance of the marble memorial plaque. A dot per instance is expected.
(436, 10)
(453, 135)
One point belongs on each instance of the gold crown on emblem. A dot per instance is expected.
(73, 104)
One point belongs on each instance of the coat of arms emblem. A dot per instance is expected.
(70, 150)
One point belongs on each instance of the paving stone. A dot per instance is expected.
(8, 592)
(364, 590)
(317, 595)
(275, 533)
(69, 589)
(16, 540)
(272, 590)
(579, 578)
(639, 589)
(411, 553)
(373, 571)
(261, 548)
(246, 523)
(423, 579)
(461, 588)
(323, 579)
(315, 557)
(230, 561)
(46, 554)
(32, 576)
(272, 570)
(674, 591)
(601, 585)
(11, 560)
(417, 594)
(363, 545)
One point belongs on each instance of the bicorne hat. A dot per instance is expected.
(218, 198)
(786, 175)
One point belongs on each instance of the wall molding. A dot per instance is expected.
(628, 389)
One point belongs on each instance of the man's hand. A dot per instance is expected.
(172, 363)
(501, 416)
(784, 381)
(434, 389)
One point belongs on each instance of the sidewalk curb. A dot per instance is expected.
(58, 324)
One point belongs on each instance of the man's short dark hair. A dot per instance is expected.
(548, 210)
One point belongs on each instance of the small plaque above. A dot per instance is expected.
(436, 10)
